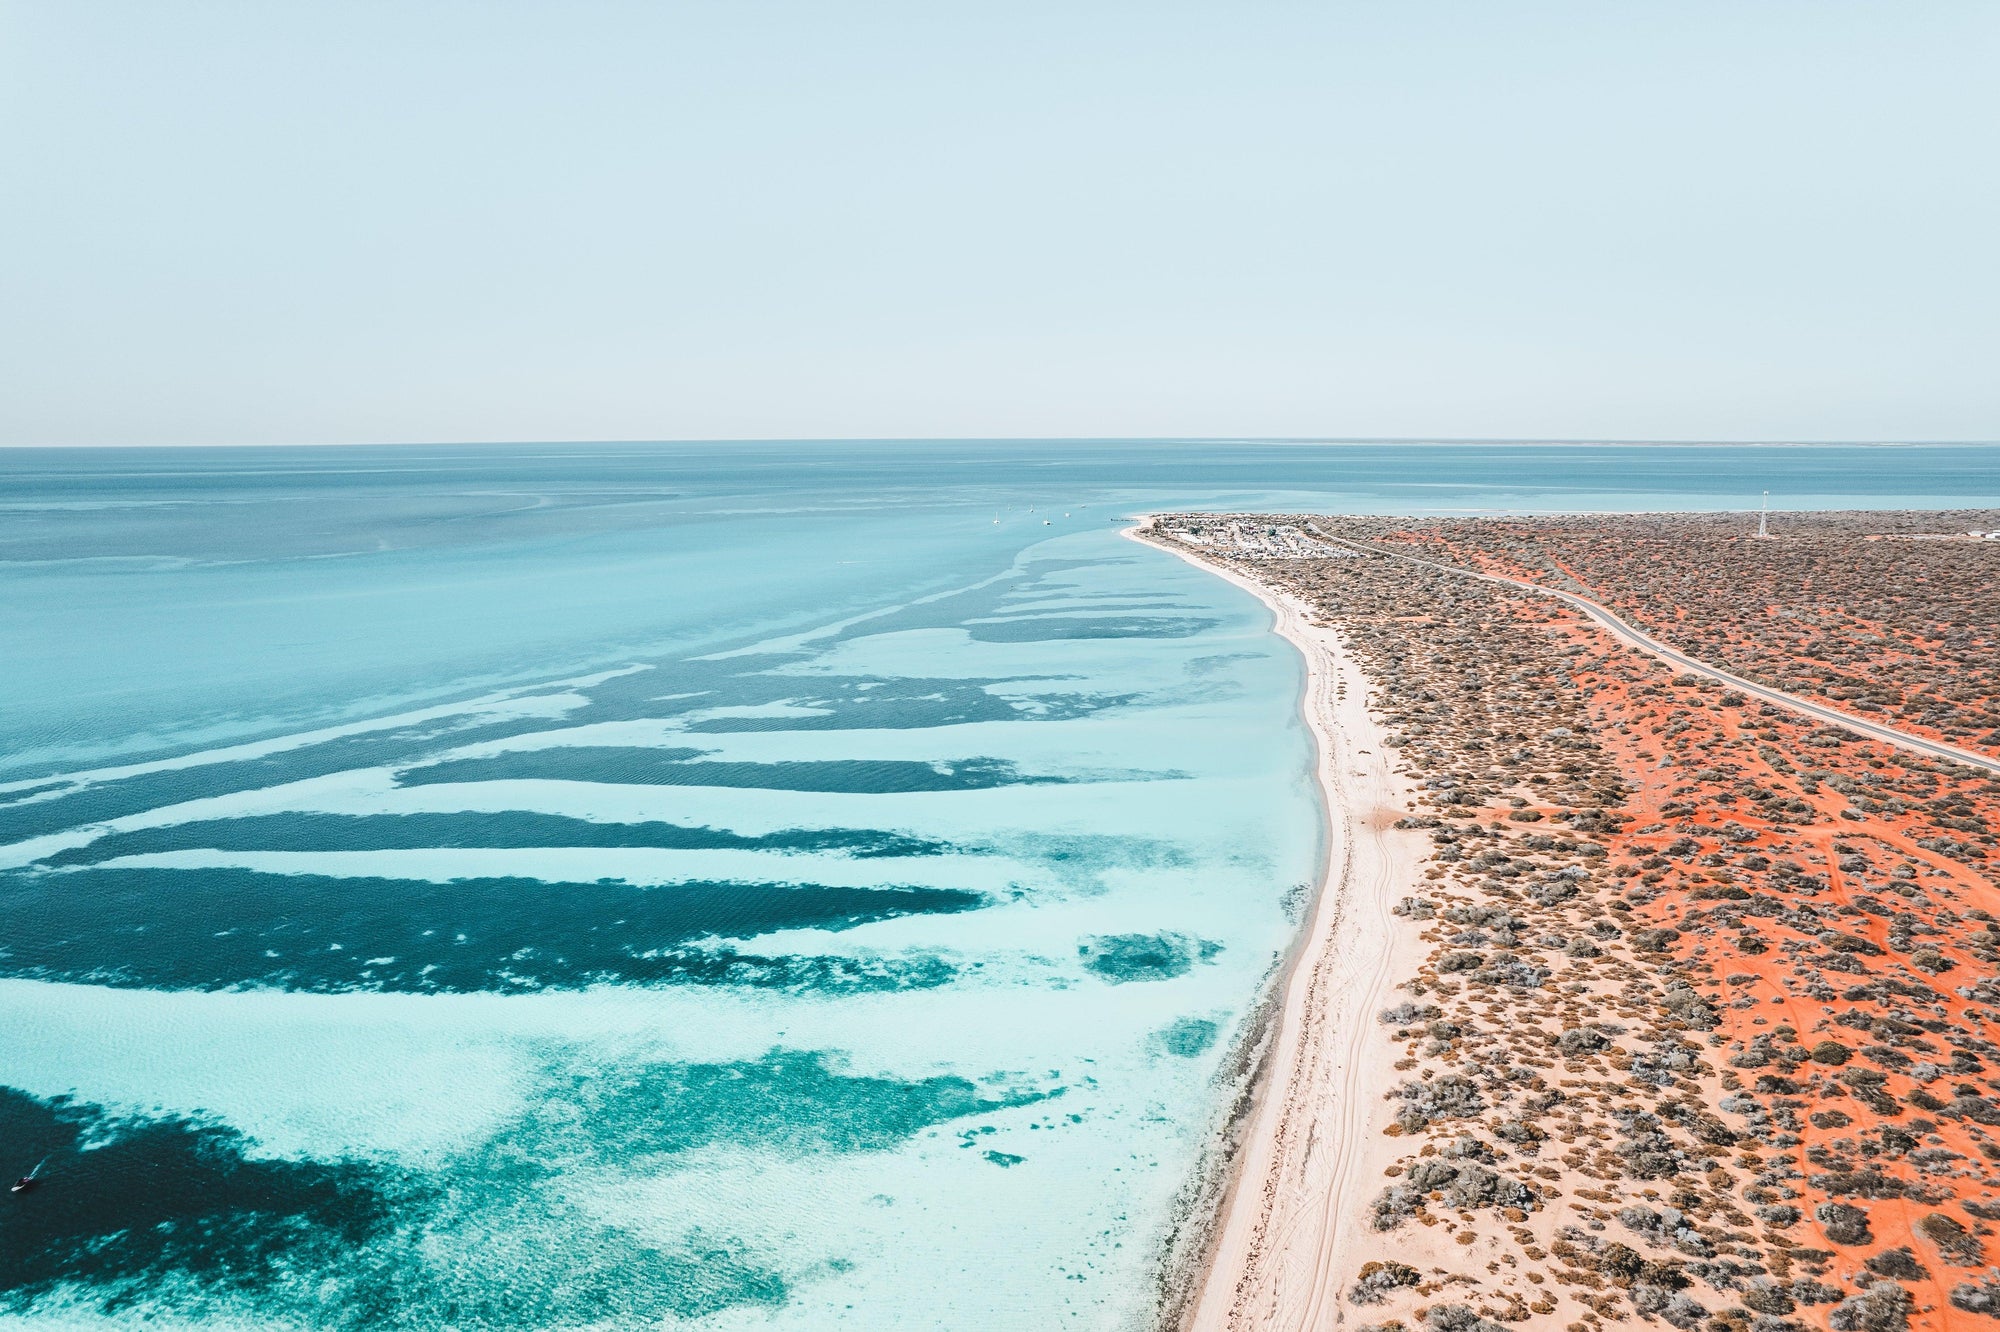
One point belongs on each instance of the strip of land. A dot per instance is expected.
(1287, 1233)
(1687, 1014)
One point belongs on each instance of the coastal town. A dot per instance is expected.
(1253, 538)
(1698, 1024)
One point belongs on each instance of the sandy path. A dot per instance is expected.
(1294, 1226)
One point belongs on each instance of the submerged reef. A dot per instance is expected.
(157, 1216)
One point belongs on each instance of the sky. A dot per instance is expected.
(422, 220)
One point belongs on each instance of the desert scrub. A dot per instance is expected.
(1844, 1223)
(1883, 1307)
(1377, 1279)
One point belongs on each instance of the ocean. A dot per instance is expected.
(764, 885)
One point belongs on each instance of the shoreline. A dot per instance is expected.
(1285, 1208)
(1643, 888)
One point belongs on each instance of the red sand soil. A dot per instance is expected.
(1838, 897)
(1831, 1131)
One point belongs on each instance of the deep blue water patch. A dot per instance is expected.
(146, 1214)
(841, 702)
(794, 973)
(905, 704)
(1120, 958)
(676, 767)
(1098, 851)
(217, 928)
(117, 797)
(1188, 1038)
(500, 830)
(125, 1201)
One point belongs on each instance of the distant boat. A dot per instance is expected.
(30, 1180)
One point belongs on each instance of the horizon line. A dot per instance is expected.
(1418, 440)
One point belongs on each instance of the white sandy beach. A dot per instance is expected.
(1292, 1226)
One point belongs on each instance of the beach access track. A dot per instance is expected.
(1626, 633)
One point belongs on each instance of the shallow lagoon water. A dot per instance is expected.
(763, 886)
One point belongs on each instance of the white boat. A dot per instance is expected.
(31, 1179)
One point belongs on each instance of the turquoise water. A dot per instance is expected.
(741, 886)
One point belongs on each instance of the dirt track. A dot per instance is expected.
(1624, 632)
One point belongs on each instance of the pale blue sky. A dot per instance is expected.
(268, 222)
